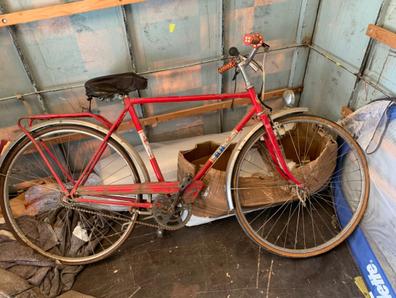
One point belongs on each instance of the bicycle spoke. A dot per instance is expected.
(69, 148)
(300, 221)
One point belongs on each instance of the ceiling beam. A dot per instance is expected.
(60, 10)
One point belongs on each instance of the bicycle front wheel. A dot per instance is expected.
(301, 222)
(34, 205)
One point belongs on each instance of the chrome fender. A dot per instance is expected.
(242, 142)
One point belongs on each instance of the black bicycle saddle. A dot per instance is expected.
(117, 84)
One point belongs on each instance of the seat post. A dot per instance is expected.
(89, 104)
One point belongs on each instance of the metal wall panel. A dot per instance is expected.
(342, 25)
(340, 30)
(172, 33)
(304, 34)
(13, 81)
(276, 19)
(69, 50)
(11, 69)
(327, 87)
(279, 21)
(382, 72)
(381, 66)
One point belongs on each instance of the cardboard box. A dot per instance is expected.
(213, 202)
(265, 187)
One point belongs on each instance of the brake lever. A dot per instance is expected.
(266, 47)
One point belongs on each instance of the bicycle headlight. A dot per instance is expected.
(289, 98)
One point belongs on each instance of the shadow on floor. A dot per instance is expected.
(214, 260)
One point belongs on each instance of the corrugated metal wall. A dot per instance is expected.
(381, 64)
(147, 37)
(340, 34)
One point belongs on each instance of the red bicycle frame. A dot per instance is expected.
(161, 187)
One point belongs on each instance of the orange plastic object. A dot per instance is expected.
(227, 67)
(253, 39)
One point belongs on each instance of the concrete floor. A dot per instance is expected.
(214, 260)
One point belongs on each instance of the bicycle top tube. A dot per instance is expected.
(166, 99)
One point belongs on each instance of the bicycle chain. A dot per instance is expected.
(185, 183)
(155, 226)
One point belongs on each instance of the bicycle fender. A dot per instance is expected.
(242, 142)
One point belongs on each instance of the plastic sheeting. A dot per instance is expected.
(368, 124)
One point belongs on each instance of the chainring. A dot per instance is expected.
(171, 213)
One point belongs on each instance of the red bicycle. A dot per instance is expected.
(299, 184)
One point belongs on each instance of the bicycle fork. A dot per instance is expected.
(271, 142)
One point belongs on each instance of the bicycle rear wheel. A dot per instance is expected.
(291, 222)
(73, 233)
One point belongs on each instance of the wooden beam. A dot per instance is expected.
(154, 120)
(59, 10)
(382, 35)
(346, 111)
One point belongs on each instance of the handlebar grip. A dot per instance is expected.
(227, 67)
(253, 39)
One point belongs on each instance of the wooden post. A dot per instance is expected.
(60, 10)
(346, 111)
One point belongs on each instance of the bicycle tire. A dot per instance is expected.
(23, 145)
(330, 195)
